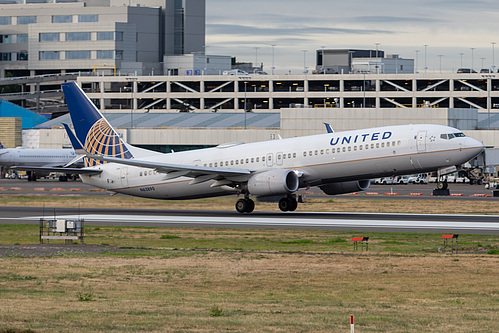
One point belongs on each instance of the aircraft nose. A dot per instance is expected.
(475, 147)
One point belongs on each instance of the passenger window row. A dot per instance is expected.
(243, 161)
(355, 148)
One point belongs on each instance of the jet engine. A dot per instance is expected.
(273, 182)
(345, 187)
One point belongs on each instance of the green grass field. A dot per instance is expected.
(249, 280)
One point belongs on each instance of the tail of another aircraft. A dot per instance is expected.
(1, 146)
(92, 130)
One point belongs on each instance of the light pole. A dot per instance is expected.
(440, 62)
(132, 80)
(245, 78)
(461, 59)
(273, 66)
(323, 60)
(256, 55)
(377, 62)
(416, 68)
(472, 59)
(425, 67)
(304, 61)
(493, 57)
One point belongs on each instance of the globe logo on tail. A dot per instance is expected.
(103, 140)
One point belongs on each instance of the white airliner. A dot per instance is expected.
(339, 162)
(36, 158)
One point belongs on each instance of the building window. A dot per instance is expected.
(5, 56)
(105, 35)
(26, 19)
(105, 54)
(5, 20)
(49, 37)
(22, 56)
(22, 38)
(119, 55)
(5, 39)
(62, 19)
(119, 36)
(77, 36)
(88, 18)
(49, 55)
(71, 55)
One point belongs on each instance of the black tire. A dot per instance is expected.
(284, 204)
(442, 185)
(241, 206)
(293, 204)
(251, 206)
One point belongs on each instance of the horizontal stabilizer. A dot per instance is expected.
(76, 171)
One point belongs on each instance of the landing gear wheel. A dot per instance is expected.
(241, 206)
(245, 205)
(284, 204)
(443, 185)
(288, 204)
(251, 205)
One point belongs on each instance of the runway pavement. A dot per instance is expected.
(45, 187)
(476, 224)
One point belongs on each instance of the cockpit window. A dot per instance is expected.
(451, 136)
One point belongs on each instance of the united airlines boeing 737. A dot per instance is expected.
(339, 162)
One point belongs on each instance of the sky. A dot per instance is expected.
(450, 29)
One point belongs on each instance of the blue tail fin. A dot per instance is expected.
(92, 129)
(1, 146)
(77, 145)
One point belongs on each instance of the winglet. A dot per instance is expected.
(329, 129)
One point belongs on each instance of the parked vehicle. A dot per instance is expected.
(421, 178)
(235, 72)
(466, 70)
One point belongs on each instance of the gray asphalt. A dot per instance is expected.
(77, 188)
(224, 219)
(275, 220)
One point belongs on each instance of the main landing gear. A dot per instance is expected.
(245, 205)
(288, 204)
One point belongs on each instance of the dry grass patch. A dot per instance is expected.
(361, 204)
(252, 293)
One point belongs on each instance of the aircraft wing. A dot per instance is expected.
(3, 153)
(78, 171)
(199, 173)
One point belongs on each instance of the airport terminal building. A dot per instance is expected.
(59, 36)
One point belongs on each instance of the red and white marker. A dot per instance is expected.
(352, 327)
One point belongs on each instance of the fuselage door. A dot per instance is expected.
(124, 176)
(278, 159)
(421, 141)
(270, 160)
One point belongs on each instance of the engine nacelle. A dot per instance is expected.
(345, 187)
(273, 182)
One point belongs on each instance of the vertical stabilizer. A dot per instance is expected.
(92, 129)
